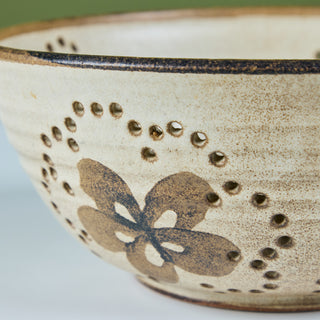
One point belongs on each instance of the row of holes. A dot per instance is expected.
(83, 236)
(284, 242)
(198, 139)
(57, 135)
(156, 132)
(56, 132)
(65, 186)
(54, 174)
(216, 158)
(97, 110)
(62, 43)
(174, 128)
(45, 174)
(269, 286)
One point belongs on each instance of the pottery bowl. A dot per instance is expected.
(181, 146)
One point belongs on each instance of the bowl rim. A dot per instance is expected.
(158, 64)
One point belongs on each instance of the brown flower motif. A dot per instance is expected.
(184, 193)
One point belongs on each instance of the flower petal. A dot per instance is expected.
(106, 188)
(136, 256)
(184, 193)
(103, 228)
(204, 253)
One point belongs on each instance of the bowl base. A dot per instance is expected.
(238, 301)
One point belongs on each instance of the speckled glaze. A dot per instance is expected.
(181, 146)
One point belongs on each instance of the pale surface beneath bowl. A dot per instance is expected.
(45, 274)
(255, 36)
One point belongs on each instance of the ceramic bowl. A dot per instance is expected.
(181, 146)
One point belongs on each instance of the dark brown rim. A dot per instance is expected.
(154, 64)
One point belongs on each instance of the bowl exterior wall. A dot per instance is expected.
(197, 183)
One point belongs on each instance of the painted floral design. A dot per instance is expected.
(183, 193)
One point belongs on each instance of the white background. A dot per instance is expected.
(45, 274)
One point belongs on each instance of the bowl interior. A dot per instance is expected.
(216, 34)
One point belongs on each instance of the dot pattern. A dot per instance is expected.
(199, 140)
(61, 45)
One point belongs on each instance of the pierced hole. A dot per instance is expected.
(269, 253)
(78, 108)
(45, 174)
(45, 186)
(206, 285)
(156, 133)
(97, 109)
(69, 223)
(279, 221)
(218, 159)
(53, 173)
(134, 128)
(213, 199)
(82, 238)
(316, 291)
(96, 254)
(73, 145)
(318, 281)
(46, 141)
(49, 47)
(232, 187)
(70, 124)
(234, 256)
(285, 242)
(234, 290)
(270, 286)
(116, 110)
(67, 188)
(274, 275)
(258, 264)
(55, 207)
(260, 200)
(172, 246)
(199, 139)
(255, 291)
(175, 128)
(74, 47)
(84, 233)
(61, 41)
(124, 238)
(148, 154)
(47, 159)
(57, 134)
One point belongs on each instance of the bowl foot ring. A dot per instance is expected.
(226, 305)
